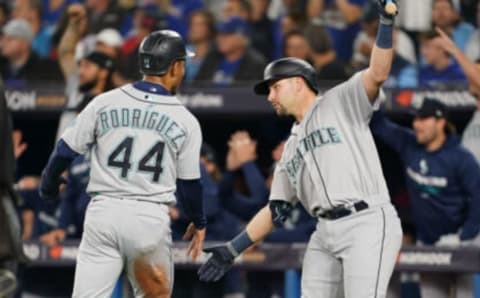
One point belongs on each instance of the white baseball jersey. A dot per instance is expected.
(471, 135)
(330, 158)
(142, 140)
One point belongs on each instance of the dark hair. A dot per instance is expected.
(319, 39)
(245, 5)
(298, 18)
(449, 2)
(294, 32)
(449, 128)
(210, 19)
(37, 6)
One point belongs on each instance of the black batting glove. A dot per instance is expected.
(218, 264)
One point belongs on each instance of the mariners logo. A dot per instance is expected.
(146, 62)
(423, 167)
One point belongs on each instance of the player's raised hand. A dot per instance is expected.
(217, 265)
(77, 17)
(196, 244)
(18, 145)
(445, 42)
(243, 147)
(388, 8)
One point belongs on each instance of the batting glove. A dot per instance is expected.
(218, 264)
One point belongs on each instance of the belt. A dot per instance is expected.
(342, 211)
(138, 200)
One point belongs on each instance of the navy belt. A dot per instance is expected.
(342, 211)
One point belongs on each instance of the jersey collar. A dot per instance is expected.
(151, 88)
(150, 92)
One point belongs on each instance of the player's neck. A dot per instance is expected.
(304, 106)
(162, 81)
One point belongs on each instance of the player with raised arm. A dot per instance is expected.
(331, 165)
(144, 143)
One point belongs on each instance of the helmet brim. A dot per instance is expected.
(262, 88)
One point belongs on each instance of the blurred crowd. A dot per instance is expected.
(91, 47)
(233, 39)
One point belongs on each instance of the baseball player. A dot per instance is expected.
(143, 142)
(331, 166)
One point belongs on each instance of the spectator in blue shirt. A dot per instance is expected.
(342, 19)
(201, 34)
(443, 180)
(234, 62)
(439, 69)
(178, 13)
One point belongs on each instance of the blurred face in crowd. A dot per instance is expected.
(234, 8)
(228, 43)
(259, 7)
(210, 166)
(23, 9)
(428, 129)
(283, 95)
(288, 24)
(89, 74)
(443, 14)
(431, 51)
(97, 5)
(13, 47)
(297, 46)
(199, 30)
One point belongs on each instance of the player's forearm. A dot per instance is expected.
(471, 69)
(66, 49)
(260, 225)
(380, 64)
(380, 60)
(257, 229)
(314, 8)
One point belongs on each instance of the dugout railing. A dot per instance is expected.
(285, 257)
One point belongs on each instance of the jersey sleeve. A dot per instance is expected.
(188, 166)
(82, 133)
(352, 99)
(281, 188)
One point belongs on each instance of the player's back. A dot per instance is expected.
(144, 140)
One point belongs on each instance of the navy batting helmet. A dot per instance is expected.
(159, 50)
(287, 68)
